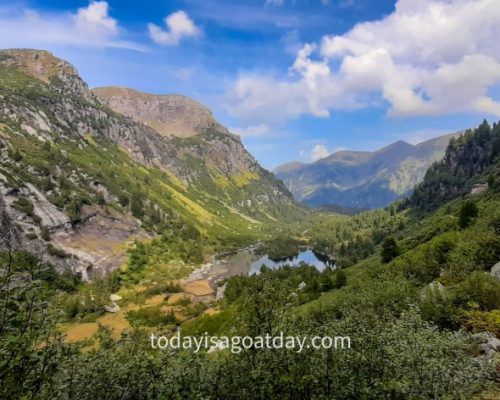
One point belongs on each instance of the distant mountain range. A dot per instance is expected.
(363, 179)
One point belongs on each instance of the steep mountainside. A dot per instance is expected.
(82, 180)
(168, 114)
(470, 159)
(362, 179)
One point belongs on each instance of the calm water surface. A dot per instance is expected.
(306, 256)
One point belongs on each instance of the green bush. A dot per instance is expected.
(480, 290)
(54, 251)
(24, 205)
(468, 212)
(151, 316)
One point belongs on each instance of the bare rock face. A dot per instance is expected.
(170, 115)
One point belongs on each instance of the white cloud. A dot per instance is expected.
(90, 26)
(319, 151)
(95, 21)
(254, 130)
(430, 57)
(179, 26)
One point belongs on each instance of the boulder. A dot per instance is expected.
(489, 345)
(495, 271)
(433, 288)
(113, 309)
(115, 297)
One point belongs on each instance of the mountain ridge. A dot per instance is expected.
(363, 179)
(168, 114)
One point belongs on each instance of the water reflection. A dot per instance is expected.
(308, 256)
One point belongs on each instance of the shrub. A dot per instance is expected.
(340, 279)
(479, 289)
(468, 212)
(151, 316)
(45, 233)
(166, 288)
(482, 321)
(183, 301)
(31, 236)
(54, 251)
(24, 205)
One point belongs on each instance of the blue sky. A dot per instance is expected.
(298, 79)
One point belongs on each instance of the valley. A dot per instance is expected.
(124, 214)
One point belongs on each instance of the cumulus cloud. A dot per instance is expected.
(430, 57)
(179, 26)
(319, 151)
(90, 26)
(95, 21)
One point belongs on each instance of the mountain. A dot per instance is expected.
(82, 179)
(470, 165)
(362, 179)
(174, 115)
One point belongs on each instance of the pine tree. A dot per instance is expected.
(390, 249)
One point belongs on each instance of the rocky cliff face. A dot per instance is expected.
(363, 179)
(171, 115)
(81, 180)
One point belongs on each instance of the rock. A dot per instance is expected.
(220, 292)
(479, 188)
(217, 347)
(432, 288)
(113, 309)
(495, 271)
(115, 297)
(168, 114)
(302, 285)
(489, 345)
(49, 214)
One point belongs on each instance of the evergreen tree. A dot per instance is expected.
(390, 249)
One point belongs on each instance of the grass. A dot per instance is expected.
(199, 288)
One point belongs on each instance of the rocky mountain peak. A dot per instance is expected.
(363, 179)
(44, 66)
(170, 115)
